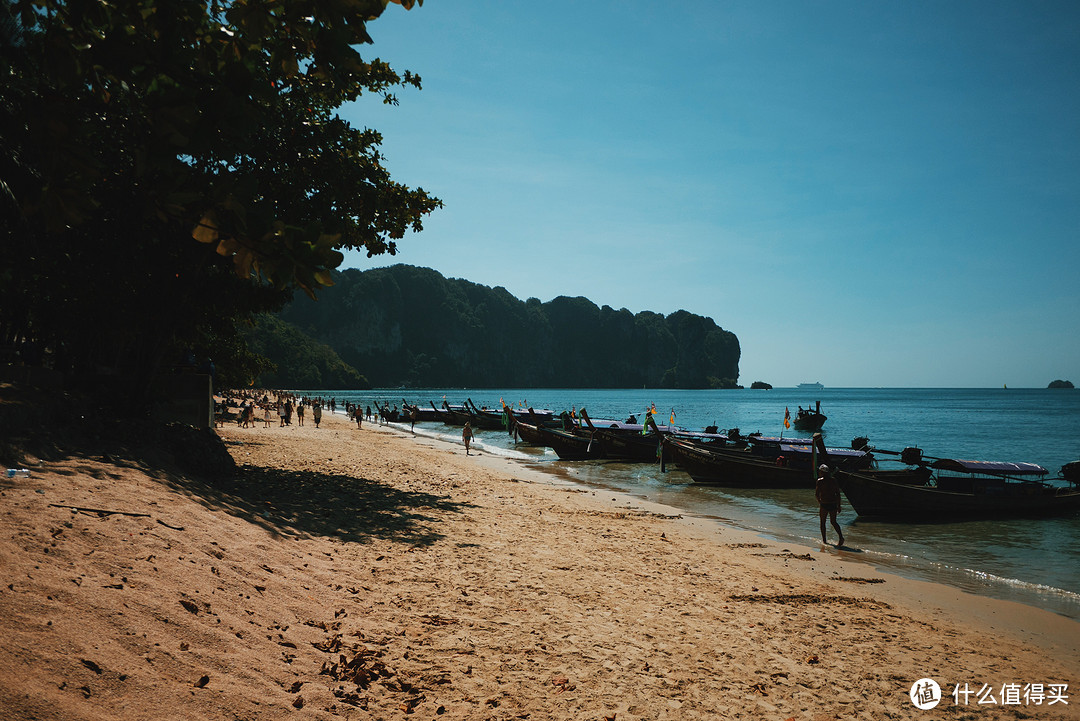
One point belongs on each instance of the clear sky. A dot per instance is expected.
(866, 194)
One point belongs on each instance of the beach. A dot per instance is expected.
(364, 573)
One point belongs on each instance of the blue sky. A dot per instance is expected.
(866, 194)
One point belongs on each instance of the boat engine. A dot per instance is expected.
(911, 456)
(859, 442)
(1071, 472)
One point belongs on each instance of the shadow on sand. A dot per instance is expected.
(310, 503)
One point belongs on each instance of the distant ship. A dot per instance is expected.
(810, 387)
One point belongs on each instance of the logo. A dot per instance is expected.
(925, 694)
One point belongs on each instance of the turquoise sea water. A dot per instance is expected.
(1032, 561)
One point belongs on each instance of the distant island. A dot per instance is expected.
(1060, 384)
(761, 385)
(413, 327)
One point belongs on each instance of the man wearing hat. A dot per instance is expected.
(828, 498)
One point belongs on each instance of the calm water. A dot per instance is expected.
(1032, 561)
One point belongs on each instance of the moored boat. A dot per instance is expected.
(962, 490)
(810, 420)
(486, 418)
(627, 441)
(530, 426)
(456, 415)
(789, 466)
(423, 415)
(571, 446)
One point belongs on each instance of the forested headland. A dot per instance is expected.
(411, 326)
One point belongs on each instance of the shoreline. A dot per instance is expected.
(365, 574)
(915, 568)
(1039, 625)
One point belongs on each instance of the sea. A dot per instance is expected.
(1031, 561)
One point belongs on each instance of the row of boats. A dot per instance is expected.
(910, 487)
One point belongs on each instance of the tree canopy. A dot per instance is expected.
(168, 169)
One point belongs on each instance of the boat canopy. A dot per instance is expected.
(701, 435)
(601, 424)
(806, 449)
(995, 468)
(775, 440)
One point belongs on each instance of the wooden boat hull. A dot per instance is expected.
(744, 469)
(630, 445)
(483, 418)
(529, 433)
(423, 415)
(873, 497)
(734, 469)
(810, 421)
(456, 415)
(570, 446)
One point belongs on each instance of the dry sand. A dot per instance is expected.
(366, 574)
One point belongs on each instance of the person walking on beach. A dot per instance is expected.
(358, 415)
(300, 413)
(316, 414)
(466, 436)
(828, 498)
(413, 413)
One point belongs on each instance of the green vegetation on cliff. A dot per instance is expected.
(405, 325)
(299, 362)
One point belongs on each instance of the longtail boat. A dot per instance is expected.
(793, 467)
(639, 443)
(456, 415)
(810, 420)
(484, 418)
(423, 415)
(961, 490)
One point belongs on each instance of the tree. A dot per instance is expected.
(129, 131)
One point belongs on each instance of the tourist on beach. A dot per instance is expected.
(413, 413)
(828, 497)
(316, 414)
(369, 413)
(281, 414)
(266, 416)
(466, 436)
(358, 416)
(300, 414)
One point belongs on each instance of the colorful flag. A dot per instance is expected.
(787, 418)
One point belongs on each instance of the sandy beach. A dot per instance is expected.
(368, 574)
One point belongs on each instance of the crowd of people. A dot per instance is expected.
(248, 408)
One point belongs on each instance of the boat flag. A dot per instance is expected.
(787, 418)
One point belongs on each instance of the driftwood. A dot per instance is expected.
(100, 511)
